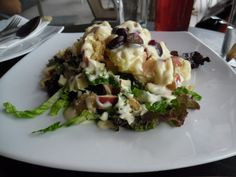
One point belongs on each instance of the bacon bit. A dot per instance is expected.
(80, 104)
(86, 61)
(134, 104)
(149, 65)
(172, 86)
(91, 102)
(146, 53)
(177, 77)
(176, 61)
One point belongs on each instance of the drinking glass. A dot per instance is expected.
(173, 15)
(136, 10)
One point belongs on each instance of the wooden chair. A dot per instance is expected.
(100, 13)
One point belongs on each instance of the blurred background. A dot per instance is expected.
(75, 12)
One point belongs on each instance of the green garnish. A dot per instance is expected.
(159, 106)
(146, 122)
(11, 109)
(84, 116)
(62, 102)
(184, 90)
(57, 106)
(104, 79)
(139, 94)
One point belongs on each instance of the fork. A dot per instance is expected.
(13, 24)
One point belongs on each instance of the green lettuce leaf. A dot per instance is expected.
(159, 106)
(104, 78)
(147, 121)
(140, 95)
(84, 116)
(57, 106)
(184, 90)
(62, 102)
(50, 128)
(11, 109)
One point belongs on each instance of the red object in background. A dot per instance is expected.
(173, 15)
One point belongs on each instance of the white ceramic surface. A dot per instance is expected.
(207, 135)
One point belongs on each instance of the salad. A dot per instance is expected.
(117, 77)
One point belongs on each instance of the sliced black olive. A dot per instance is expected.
(116, 42)
(134, 38)
(174, 53)
(121, 32)
(159, 49)
(152, 42)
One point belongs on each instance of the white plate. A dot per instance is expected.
(207, 135)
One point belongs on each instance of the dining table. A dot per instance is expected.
(224, 167)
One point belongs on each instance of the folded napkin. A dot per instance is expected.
(28, 44)
(4, 23)
(10, 43)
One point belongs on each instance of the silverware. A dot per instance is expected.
(12, 25)
(24, 30)
(9, 32)
(228, 41)
(220, 20)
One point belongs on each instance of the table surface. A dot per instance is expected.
(226, 167)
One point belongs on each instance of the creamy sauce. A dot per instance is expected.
(125, 85)
(104, 116)
(124, 110)
(157, 89)
(95, 69)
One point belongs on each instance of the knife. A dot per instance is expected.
(24, 30)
